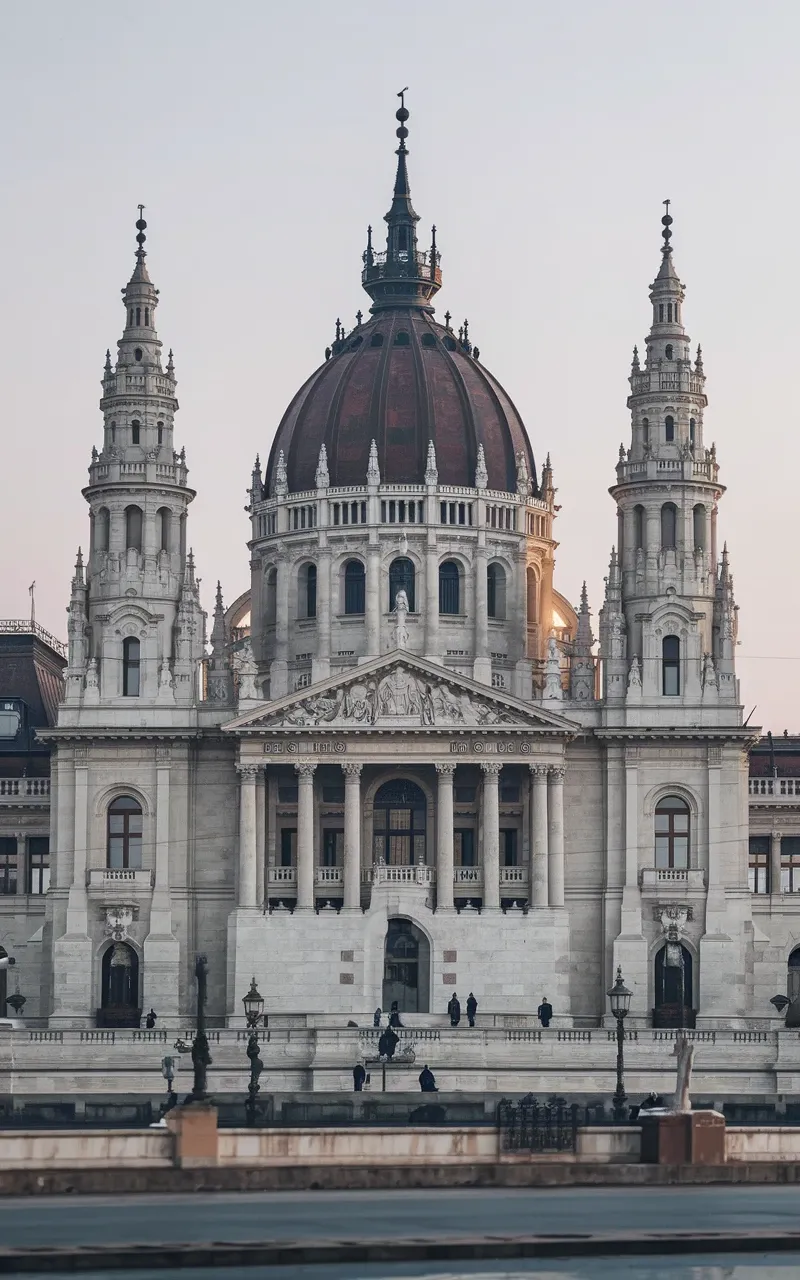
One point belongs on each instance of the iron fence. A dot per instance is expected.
(531, 1125)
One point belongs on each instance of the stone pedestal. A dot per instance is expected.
(696, 1137)
(195, 1131)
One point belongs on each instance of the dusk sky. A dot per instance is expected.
(543, 139)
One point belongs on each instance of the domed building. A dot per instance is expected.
(403, 767)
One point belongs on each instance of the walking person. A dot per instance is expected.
(545, 1012)
(359, 1076)
(427, 1080)
(472, 1009)
(376, 1017)
(454, 1009)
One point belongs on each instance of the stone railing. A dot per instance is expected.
(383, 874)
(686, 877)
(113, 880)
(282, 875)
(24, 627)
(24, 790)
(781, 790)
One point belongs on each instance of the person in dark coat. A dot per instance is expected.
(454, 1009)
(427, 1080)
(472, 1009)
(545, 1012)
(388, 1043)
(376, 1017)
(394, 1015)
(150, 1020)
(359, 1076)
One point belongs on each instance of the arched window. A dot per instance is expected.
(401, 578)
(398, 823)
(449, 583)
(376, 340)
(699, 519)
(672, 820)
(671, 666)
(692, 429)
(308, 591)
(669, 311)
(638, 527)
(668, 348)
(402, 339)
(669, 428)
(135, 425)
(163, 519)
(496, 591)
(101, 527)
(113, 432)
(354, 587)
(124, 846)
(428, 340)
(645, 431)
(669, 526)
(270, 596)
(673, 987)
(160, 430)
(133, 528)
(130, 667)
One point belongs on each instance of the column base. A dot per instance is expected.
(72, 981)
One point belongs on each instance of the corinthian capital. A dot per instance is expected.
(491, 768)
(445, 769)
(248, 772)
(306, 770)
(352, 770)
(558, 774)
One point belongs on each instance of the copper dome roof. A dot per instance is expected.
(401, 379)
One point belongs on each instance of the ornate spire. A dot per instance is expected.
(582, 666)
(281, 483)
(402, 276)
(431, 470)
(373, 469)
(481, 473)
(322, 478)
(139, 344)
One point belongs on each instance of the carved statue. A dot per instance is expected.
(401, 613)
(635, 674)
(248, 670)
(91, 674)
(684, 1052)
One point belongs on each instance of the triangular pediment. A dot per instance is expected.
(399, 692)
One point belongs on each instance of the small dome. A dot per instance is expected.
(401, 379)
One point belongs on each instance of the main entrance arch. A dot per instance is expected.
(673, 987)
(406, 967)
(119, 997)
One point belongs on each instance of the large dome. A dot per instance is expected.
(401, 379)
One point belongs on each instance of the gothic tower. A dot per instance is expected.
(669, 621)
(136, 628)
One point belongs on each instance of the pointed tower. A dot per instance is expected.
(138, 498)
(667, 492)
(402, 276)
(582, 665)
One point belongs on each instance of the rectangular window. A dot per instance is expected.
(758, 871)
(790, 864)
(508, 846)
(38, 864)
(464, 847)
(288, 846)
(332, 848)
(332, 795)
(464, 795)
(8, 864)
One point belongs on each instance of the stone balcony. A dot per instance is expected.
(674, 879)
(24, 791)
(467, 881)
(111, 885)
(773, 791)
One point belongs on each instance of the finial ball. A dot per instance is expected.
(402, 114)
(140, 224)
(402, 133)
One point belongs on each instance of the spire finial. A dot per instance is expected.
(141, 227)
(666, 234)
(402, 115)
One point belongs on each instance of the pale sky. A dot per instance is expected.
(543, 138)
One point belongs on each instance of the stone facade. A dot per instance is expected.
(405, 769)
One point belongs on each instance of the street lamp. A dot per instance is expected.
(620, 999)
(168, 1072)
(253, 1005)
(201, 1058)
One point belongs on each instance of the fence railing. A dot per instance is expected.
(531, 1125)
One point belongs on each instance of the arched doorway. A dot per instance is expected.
(673, 987)
(398, 824)
(792, 989)
(406, 968)
(3, 985)
(119, 997)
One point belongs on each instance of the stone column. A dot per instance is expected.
(352, 836)
(444, 837)
(482, 666)
(373, 602)
(161, 878)
(305, 836)
(261, 836)
(555, 837)
(22, 865)
(491, 834)
(322, 666)
(77, 907)
(247, 835)
(775, 863)
(432, 599)
(539, 893)
(279, 669)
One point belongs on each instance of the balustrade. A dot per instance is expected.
(24, 788)
(776, 788)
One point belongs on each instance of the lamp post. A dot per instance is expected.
(620, 999)
(168, 1072)
(201, 1058)
(254, 1012)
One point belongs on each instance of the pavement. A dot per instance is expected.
(337, 1215)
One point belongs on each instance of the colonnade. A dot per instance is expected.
(546, 836)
